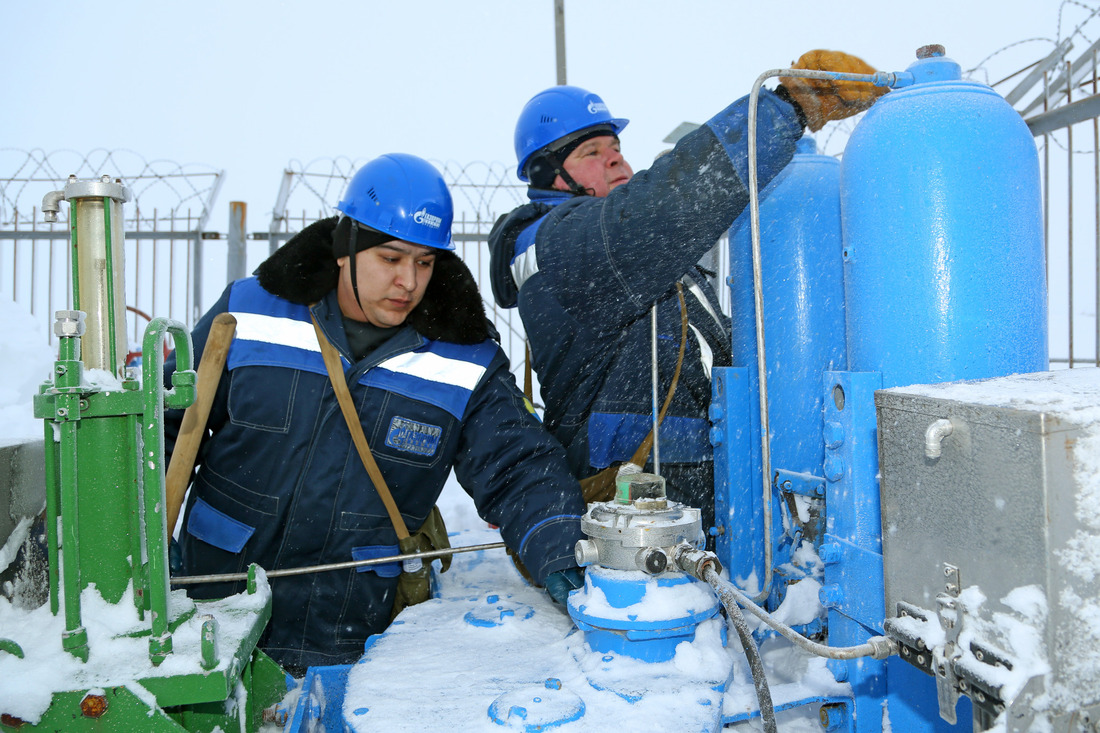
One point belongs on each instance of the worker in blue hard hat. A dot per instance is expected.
(373, 308)
(598, 252)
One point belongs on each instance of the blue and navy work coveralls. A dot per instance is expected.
(280, 483)
(585, 272)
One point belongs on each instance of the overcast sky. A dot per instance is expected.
(249, 85)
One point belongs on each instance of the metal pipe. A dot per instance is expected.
(1096, 217)
(758, 306)
(934, 435)
(153, 497)
(69, 328)
(284, 572)
(559, 40)
(75, 638)
(1069, 220)
(51, 205)
(653, 379)
(53, 511)
(879, 78)
(1046, 187)
(877, 647)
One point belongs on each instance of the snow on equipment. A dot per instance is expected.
(130, 654)
(947, 527)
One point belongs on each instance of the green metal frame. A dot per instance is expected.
(106, 526)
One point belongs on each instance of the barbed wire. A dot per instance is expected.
(836, 136)
(486, 189)
(163, 190)
(166, 190)
(1092, 7)
(321, 181)
(480, 190)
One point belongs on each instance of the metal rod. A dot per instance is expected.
(53, 511)
(758, 307)
(116, 352)
(1069, 219)
(559, 39)
(284, 572)
(653, 376)
(1096, 220)
(1046, 191)
(1040, 71)
(879, 79)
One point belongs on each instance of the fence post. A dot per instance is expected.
(238, 234)
(196, 283)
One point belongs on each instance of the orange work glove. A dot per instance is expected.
(825, 100)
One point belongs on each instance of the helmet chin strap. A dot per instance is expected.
(352, 253)
(573, 187)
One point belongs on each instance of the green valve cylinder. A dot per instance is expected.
(106, 513)
(96, 240)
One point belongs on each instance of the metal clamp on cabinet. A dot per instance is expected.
(930, 642)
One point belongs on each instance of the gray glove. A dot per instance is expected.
(560, 583)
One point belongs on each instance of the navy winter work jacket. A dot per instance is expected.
(585, 271)
(281, 484)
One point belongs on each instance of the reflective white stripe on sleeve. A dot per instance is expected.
(705, 354)
(524, 266)
(274, 330)
(698, 293)
(436, 368)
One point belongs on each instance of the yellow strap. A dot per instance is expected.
(340, 387)
(601, 485)
(528, 387)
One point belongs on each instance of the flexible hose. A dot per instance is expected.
(752, 652)
(878, 647)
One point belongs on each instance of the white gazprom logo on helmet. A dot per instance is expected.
(594, 107)
(428, 220)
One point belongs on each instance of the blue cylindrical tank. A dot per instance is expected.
(803, 296)
(800, 251)
(943, 260)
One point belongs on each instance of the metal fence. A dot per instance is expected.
(1064, 116)
(164, 226)
(176, 266)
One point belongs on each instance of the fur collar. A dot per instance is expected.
(303, 271)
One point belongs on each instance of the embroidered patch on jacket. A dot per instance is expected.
(413, 437)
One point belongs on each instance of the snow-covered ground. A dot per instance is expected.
(27, 363)
(464, 668)
(27, 682)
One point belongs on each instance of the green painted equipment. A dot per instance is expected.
(131, 654)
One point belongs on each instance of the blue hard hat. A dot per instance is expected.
(556, 113)
(404, 196)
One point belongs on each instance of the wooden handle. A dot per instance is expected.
(194, 419)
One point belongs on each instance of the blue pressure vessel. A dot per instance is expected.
(800, 251)
(943, 240)
(803, 298)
